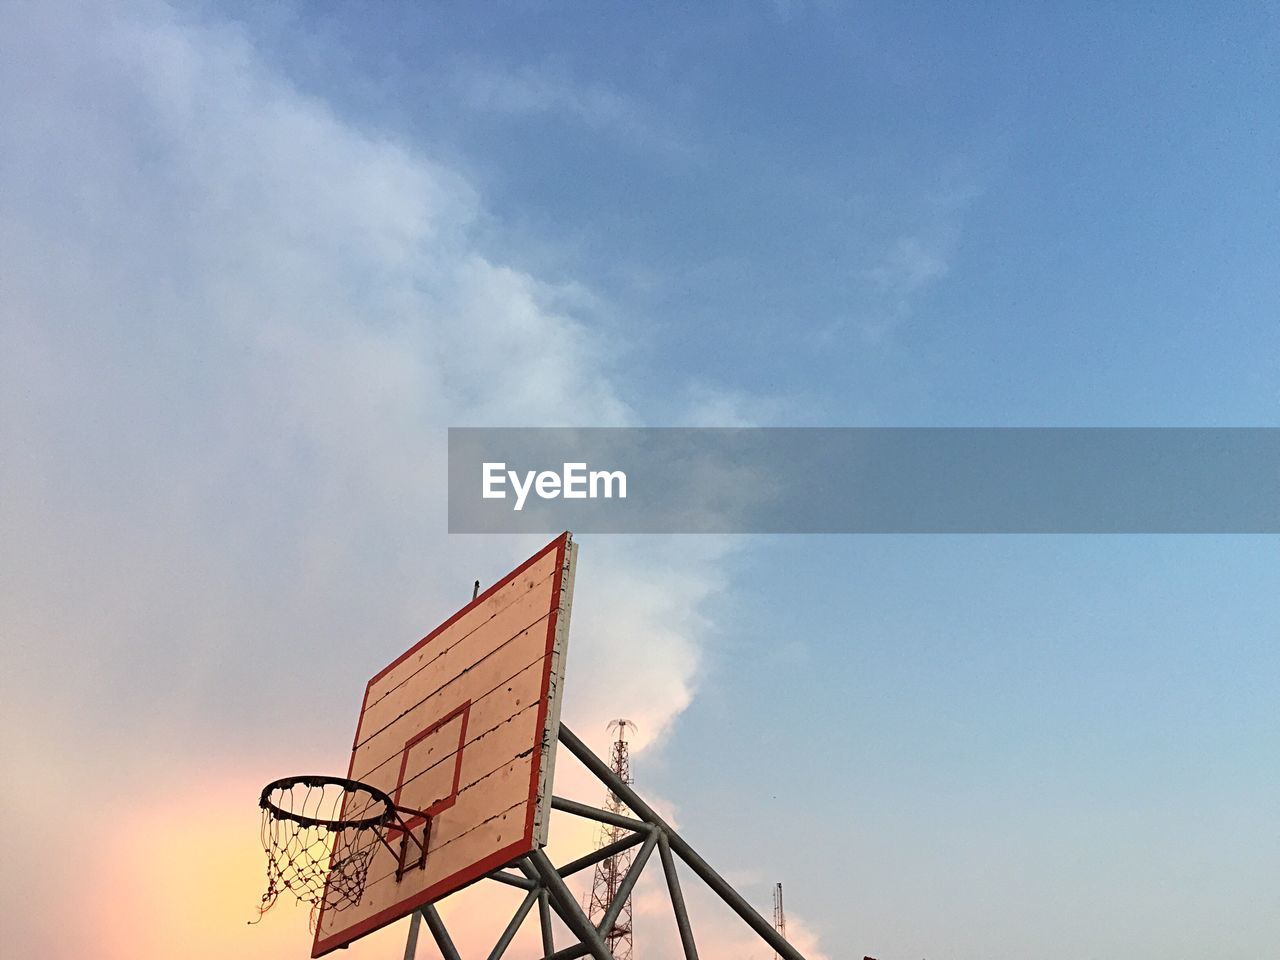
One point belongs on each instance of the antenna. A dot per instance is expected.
(779, 915)
(610, 872)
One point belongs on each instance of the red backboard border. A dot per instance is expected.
(524, 844)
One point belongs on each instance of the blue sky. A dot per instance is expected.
(258, 258)
(1061, 204)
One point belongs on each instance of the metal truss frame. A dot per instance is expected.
(544, 885)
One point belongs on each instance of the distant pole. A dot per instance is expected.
(779, 915)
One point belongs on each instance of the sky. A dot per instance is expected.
(256, 258)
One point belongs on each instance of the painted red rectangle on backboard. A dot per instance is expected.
(431, 765)
(465, 721)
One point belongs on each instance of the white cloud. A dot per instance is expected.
(909, 268)
(545, 90)
(233, 330)
(912, 263)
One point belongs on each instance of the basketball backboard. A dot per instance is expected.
(462, 726)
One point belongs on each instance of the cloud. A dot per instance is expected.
(911, 265)
(234, 328)
(895, 279)
(546, 91)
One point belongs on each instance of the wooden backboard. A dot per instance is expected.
(463, 726)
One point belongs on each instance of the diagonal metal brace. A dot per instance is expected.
(569, 910)
(513, 927)
(704, 871)
(604, 853)
(624, 889)
(677, 899)
(438, 931)
(595, 813)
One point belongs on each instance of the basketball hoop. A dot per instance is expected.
(320, 833)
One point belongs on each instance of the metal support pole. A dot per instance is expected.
(677, 899)
(570, 912)
(511, 880)
(513, 927)
(686, 853)
(595, 813)
(624, 888)
(436, 926)
(570, 953)
(411, 944)
(567, 953)
(604, 853)
(544, 917)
